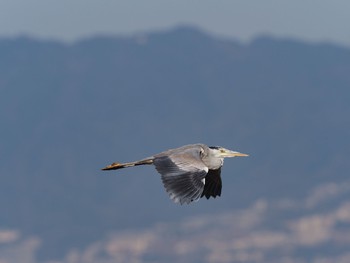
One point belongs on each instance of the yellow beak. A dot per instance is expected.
(241, 154)
(234, 154)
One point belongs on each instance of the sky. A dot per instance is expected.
(71, 20)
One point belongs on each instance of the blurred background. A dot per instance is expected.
(87, 83)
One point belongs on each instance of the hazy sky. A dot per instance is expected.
(312, 20)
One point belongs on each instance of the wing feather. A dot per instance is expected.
(213, 184)
(182, 174)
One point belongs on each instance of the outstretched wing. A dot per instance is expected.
(213, 184)
(183, 174)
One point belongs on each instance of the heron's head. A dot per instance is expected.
(221, 152)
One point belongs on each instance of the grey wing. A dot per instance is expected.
(183, 175)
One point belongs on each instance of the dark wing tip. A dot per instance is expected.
(213, 184)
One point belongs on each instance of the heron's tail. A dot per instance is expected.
(115, 166)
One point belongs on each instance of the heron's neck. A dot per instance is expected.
(215, 163)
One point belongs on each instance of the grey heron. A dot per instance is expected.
(188, 172)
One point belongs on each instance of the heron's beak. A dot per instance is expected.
(234, 154)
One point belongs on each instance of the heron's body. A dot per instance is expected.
(189, 172)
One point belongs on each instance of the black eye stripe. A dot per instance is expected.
(215, 147)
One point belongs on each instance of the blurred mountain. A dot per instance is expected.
(68, 110)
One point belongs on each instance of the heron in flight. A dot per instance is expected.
(189, 172)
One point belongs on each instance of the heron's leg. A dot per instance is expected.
(115, 166)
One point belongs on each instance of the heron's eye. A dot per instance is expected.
(222, 151)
